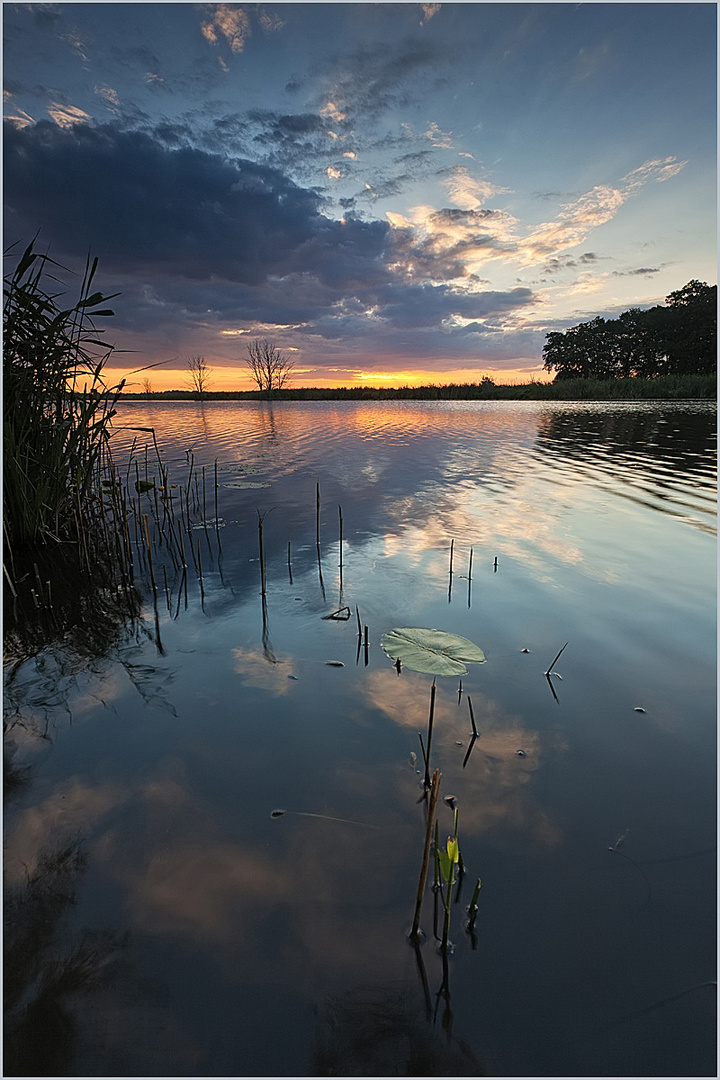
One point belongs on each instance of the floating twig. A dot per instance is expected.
(342, 614)
(323, 817)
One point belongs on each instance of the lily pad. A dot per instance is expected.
(432, 651)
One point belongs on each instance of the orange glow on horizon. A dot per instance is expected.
(235, 379)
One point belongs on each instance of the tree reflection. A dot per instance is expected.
(41, 970)
(662, 453)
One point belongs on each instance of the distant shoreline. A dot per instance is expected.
(664, 387)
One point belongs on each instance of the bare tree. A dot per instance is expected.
(147, 387)
(199, 375)
(268, 366)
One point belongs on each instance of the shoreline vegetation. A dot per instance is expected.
(660, 388)
(67, 559)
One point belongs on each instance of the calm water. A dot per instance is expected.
(223, 942)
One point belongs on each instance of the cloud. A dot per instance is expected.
(270, 21)
(451, 243)
(76, 43)
(439, 138)
(658, 169)
(109, 96)
(470, 192)
(429, 11)
(202, 242)
(228, 21)
(596, 207)
(367, 82)
(642, 271)
(419, 306)
(67, 115)
(144, 206)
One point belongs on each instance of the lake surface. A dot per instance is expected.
(226, 942)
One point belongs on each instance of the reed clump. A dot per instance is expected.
(64, 511)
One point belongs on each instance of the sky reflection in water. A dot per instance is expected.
(601, 519)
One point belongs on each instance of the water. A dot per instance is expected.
(221, 941)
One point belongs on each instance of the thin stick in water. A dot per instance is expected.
(472, 717)
(430, 730)
(557, 658)
(434, 791)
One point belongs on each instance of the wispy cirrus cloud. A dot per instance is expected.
(596, 207)
(457, 242)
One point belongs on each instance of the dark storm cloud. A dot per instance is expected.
(418, 306)
(138, 204)
(198, 239)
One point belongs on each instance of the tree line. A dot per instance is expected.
(677, 339)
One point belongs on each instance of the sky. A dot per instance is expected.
(392, 194)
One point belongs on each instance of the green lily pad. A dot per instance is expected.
(432, 651)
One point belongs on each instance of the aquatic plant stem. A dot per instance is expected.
(430, 729)
(262, 554)
(434, 792)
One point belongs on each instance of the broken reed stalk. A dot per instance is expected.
(473, 905)
(434, 791)
(452, 547)
(424, 752)
(146, 532)
(472, 717)
(341, 536)
(262, 554)
(167, 590)
(357, 612)
(317, 515)
(470, 565)
(200, 574)
(217, 520)
(289, 564)
(430, 728)
(557, 658)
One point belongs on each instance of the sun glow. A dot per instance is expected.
(230, 379)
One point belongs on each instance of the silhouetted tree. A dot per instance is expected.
(199, 375)
(268, 366)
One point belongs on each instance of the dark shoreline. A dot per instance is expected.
(662, 388)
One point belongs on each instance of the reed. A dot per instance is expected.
(434, 791)
(64, 511)
(433, 690)
(57, 406)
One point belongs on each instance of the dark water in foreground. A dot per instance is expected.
(205, 938)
